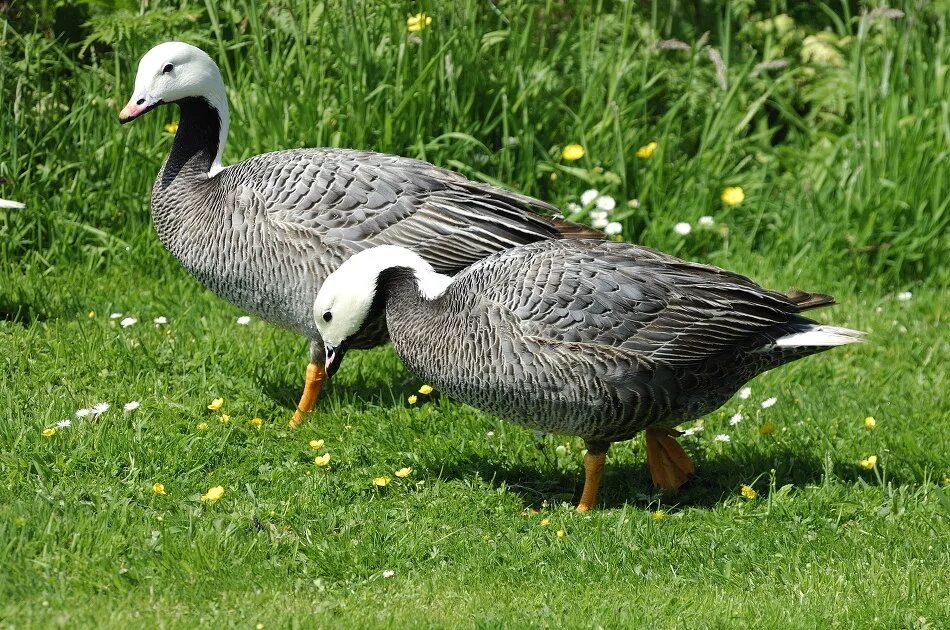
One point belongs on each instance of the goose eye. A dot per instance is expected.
(327, 316)
(168, 68)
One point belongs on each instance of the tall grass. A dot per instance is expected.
(840, 143)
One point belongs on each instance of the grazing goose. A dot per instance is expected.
(264, 233)
(598, 339)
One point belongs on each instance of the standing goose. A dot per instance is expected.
(264, 233)
(597, 339)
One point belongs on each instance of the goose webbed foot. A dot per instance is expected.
(593, 473)
(311, 391)
(669, 464)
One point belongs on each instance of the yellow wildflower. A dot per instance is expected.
(425, 390)
(418, 22)
(870, 422)
(572, 152)
(158, 488)
(322, 460)
(381, 482)
(213, 494)
(50, 432)
(869, 462)
(403, 472)
(749, 492)
(224, 418)
(255, 422)
(767, 428)
(216, 404)
(412, 399)
(202, 426)
(646, 150)
(732, 195)
(92, 314)
(172, 127)
(315, 444)
(561, 533)
(658, 515)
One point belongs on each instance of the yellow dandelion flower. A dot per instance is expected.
(50, 432)
(158, 488)
(403, 472)
(870, 422)
(216, 404)
(316, 444)
(749, 492)
(92, 314)
(732, 195)
(573, 152)
(658, 515)
(202, 426)
(417, 22)
(767, 428)
(425, 390)
(646, 150)
(172, 127)
(322, 460)
(381, 482)
(412, 399)
(213, 494)
(561, 533)
(869, 462)
(255, 422)
(224, 418)
(545, 522)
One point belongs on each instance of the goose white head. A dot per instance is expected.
(348, 297)
(171, 72)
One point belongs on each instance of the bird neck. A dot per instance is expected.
(199, 141)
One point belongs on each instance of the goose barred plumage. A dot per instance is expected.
(264, 233)
(597, 339)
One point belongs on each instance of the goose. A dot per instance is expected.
(264, 233)
(592, 338)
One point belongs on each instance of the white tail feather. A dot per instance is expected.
(4, 203)
(819, 335)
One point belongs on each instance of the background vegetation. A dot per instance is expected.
(831, 116)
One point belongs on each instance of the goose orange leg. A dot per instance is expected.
(669, 464)
(316, 376)
(593, 473)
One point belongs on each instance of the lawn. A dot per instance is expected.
(840, 143)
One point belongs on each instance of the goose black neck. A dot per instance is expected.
(196, 141)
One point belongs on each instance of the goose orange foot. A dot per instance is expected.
(316, 376)
(593, 473)
(669, 464)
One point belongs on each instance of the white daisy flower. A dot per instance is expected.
(244, 320)
(904, 296)
(613, 228)
(82, 413)
(682, 228)
(115, 316)
(706, 221)
(128, 321)
(588, 196)
(606, 202)
(388, 573)
(574, 208)
(161, 319)
(745, 392)
(768, 402)
(131, 406)
(722, 437)
(490, 434)
(64, 424)
(599, 223)
(99, 408)
(633, 203)
(736, 419)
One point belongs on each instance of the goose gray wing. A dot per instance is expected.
(350, 200)
(618, 295)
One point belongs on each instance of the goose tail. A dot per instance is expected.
(820, 336)
(6, 203)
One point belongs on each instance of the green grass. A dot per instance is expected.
(844, 172)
